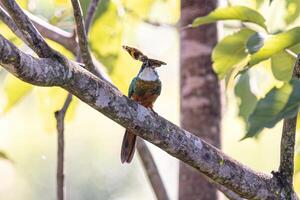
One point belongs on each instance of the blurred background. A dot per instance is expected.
(93, 169)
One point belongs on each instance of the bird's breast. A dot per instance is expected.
(146, 92)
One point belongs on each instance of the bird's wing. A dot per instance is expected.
(131, 87)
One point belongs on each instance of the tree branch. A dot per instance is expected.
(90, 14)
(11, 25)
(32, 36)
(60, 177)
(54, 33)
(151, 170)
(144, 123)
(82, 39)
(287, 148)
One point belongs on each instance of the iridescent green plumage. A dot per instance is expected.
(140, 87)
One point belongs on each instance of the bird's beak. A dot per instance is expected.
(156, 63)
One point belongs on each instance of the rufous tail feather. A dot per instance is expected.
(128, 147)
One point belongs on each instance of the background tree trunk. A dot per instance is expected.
(200, 93)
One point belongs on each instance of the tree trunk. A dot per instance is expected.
(200, 105)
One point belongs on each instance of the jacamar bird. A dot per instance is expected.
(144, 89)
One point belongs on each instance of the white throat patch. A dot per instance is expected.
(148, 74)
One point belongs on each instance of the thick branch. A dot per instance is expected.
(286, 168)
(144, 123)
(11, 24)
(32, 36)
(151, 170)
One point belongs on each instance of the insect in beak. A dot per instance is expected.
(138, 55)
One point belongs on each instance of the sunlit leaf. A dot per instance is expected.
(230, 51)
(279, 103)
(275, 44)
(283, 63)
(15, 91)
(106, 37)
(292, 10)
(255, 42)
(242, 13)
(51, 100)
(247, 98)
(138, 8)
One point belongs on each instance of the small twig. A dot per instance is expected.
(291, 53)
(159, 24)
(287, 148)
(82, 39)
(151, 170)
(35, 40)
(90, 14)
(60, 178)
(150, 21)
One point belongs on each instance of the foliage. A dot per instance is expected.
(230, 51)
(282, 40)
(247, 48)
(247, 98)
(15, 91)
(279, 103)
(241, 13)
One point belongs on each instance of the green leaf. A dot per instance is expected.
(15, 91)
(241, 13)
(139, 8)
(278, 104)
(230, 51)
(275, 44)
(106, 36)
(283, 63)
(247, 98)
(255, 42)
(292, 10)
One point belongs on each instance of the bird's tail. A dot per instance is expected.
(128, 147)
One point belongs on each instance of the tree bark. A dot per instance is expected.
(200, 95)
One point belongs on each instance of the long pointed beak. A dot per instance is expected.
(156, 63)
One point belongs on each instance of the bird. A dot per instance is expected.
(144, 89)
